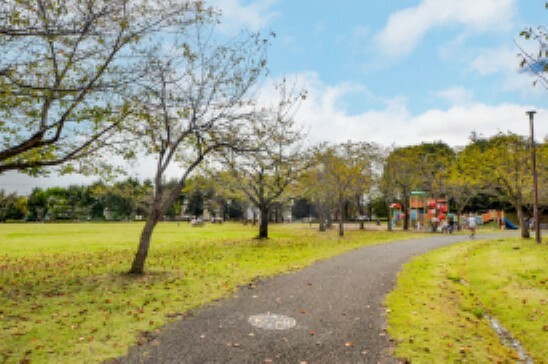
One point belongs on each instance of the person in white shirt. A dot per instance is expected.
(472, 225)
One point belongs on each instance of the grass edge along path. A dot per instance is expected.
(437, 311)
(64, 296)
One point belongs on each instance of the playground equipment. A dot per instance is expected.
(508, 224)
(396, 214)
(418, 200)
(426, 211)
(495, 215)
(433, 214)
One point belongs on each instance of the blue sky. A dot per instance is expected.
(395, 72)
(402, 72)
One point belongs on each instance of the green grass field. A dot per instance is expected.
(438, 311)
(65, 297)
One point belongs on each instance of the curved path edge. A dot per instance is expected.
(336, 304)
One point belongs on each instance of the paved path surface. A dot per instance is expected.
(336, 305)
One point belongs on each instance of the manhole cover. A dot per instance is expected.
(270, 321)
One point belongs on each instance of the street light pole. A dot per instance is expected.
(535, 178)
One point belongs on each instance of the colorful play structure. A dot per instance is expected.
(495, 215)
(395, 214)
(427, 213)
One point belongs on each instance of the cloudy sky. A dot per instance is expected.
(404, 71)
(396, 72)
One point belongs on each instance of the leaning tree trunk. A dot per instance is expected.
(138, 265)
(160, 205)
(523, 222)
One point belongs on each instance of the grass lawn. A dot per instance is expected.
(438, 312)
(65, 297)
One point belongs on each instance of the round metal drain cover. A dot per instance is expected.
(270, 321)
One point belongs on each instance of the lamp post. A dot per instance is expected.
(535, 178)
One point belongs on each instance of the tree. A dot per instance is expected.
(418, 167)
(350, 172)
(461, 181)
(315, 186)
(276, 160)
(130, 198)
(433, 161)
(400, 178)
(303, 209)
(339, 175)
(124, 200)
(536, 62)
(379, 207)
(195, 199)
(37, 204)
(193, 102)
(503, 164)
(64, 68)
(222, 199)
(57, 204)
(12, 207)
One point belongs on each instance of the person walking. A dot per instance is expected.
(451, 224)
(472, 225)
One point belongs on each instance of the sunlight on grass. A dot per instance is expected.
(65, 297)
(436, 313)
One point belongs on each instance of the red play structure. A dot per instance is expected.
(426, 211)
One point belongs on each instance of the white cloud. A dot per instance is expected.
(457, 96)
(504, 62)
(324, 115)
(406, 28)
(393, 123)
(254, 16)
(491, 61)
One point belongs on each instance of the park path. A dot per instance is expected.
(336, 306)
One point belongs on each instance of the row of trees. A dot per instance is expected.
(126, 200)
(129, 78)
(278, 185)
(122, 201)
(327, 182)
(498, 168)
(87, 83)
(343, 181)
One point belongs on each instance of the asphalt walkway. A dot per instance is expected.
(330, 312)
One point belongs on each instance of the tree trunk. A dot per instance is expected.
(138, 265)
(321, 217)
(328, 219)
(389, 220)
(158, 209)
(322, 223)
(341, 220)
(523, 222)
(406, 216)
(263, 226)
